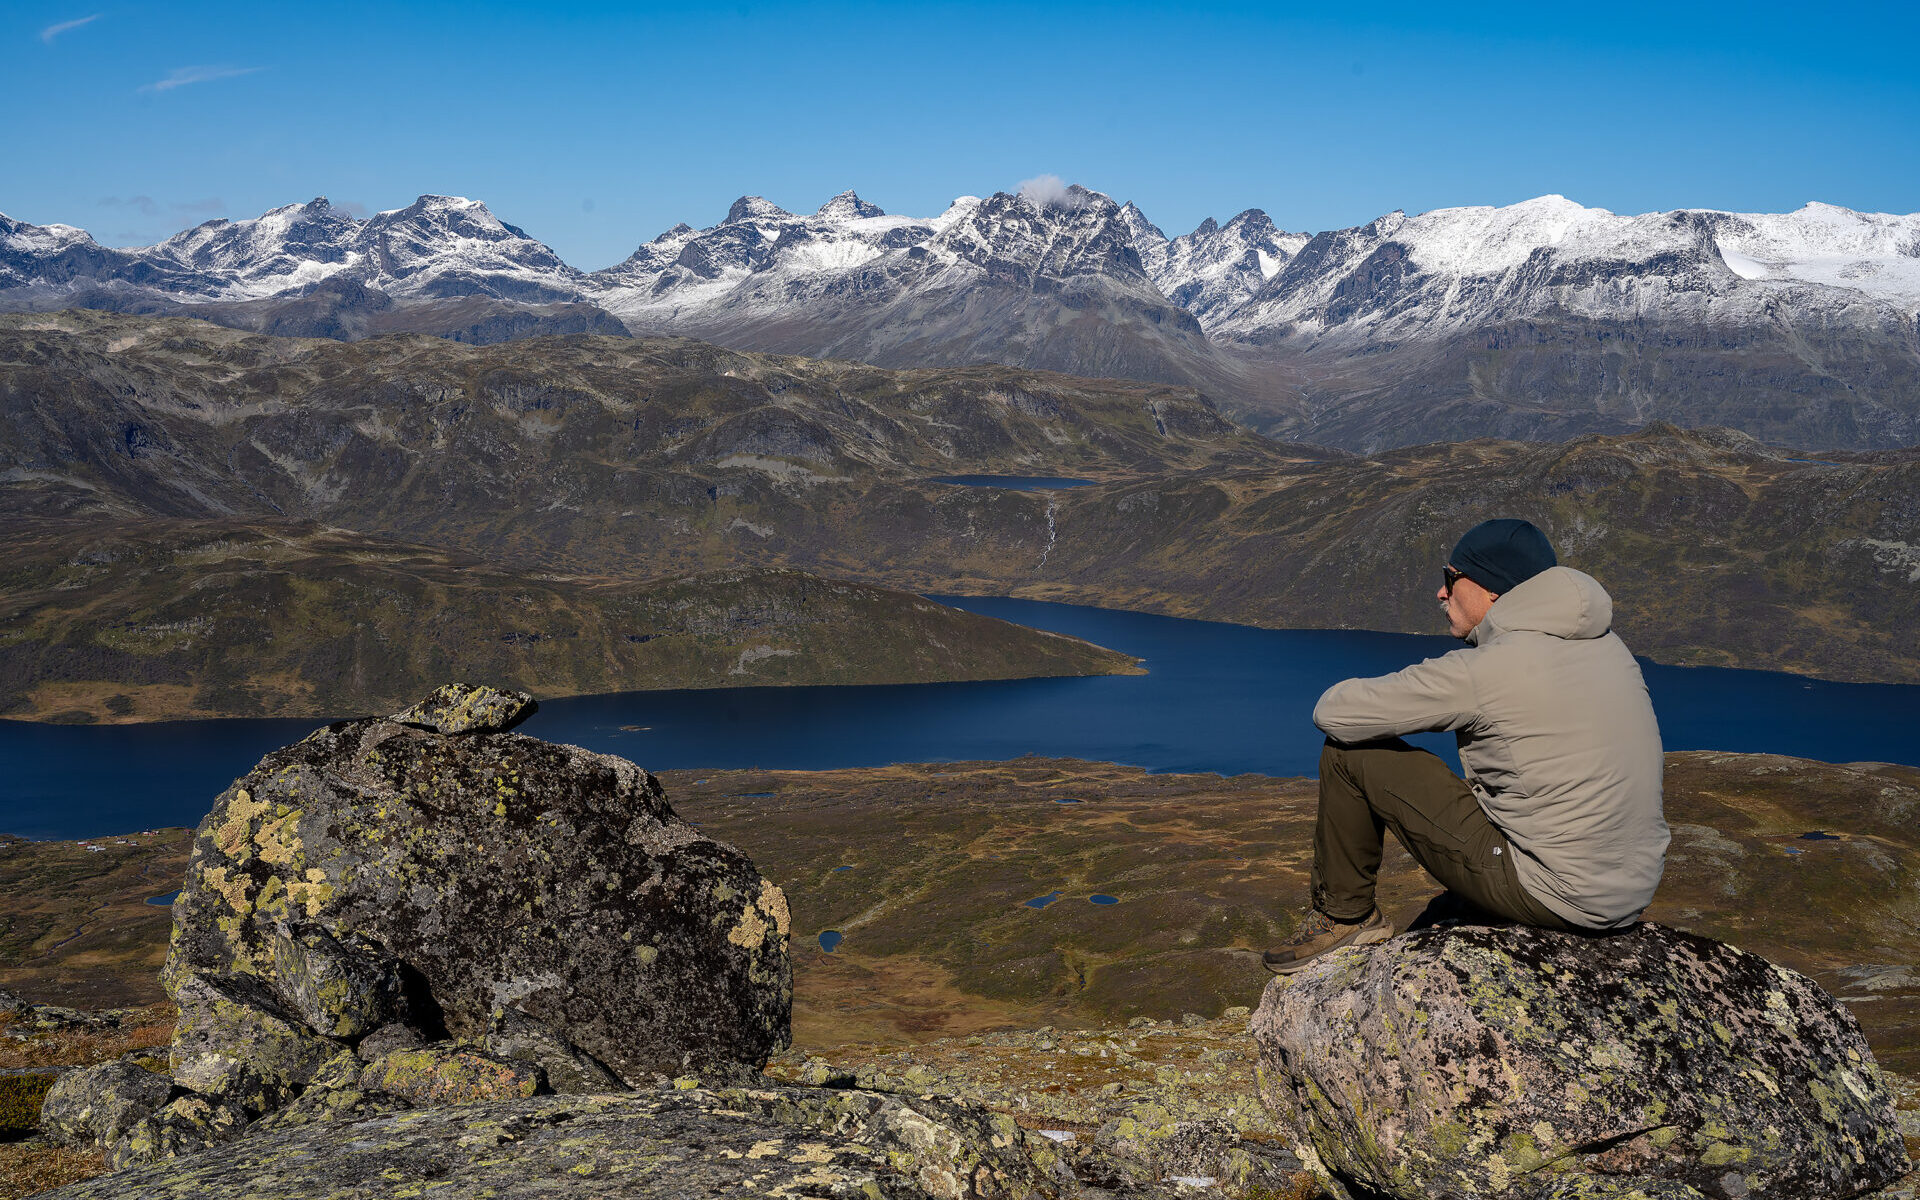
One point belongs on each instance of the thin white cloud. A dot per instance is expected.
(182, 76)
(147, 206)
(1048, 191)
(53, 31)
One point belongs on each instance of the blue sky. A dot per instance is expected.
(594, 127)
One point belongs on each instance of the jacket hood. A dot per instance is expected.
(1559, 601)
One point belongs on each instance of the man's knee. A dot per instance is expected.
(1348, 759)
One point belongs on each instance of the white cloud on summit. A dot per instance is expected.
(53, 31)
(1048, 191)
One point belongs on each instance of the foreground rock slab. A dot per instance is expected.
(669, 1143)
(1466, 1061)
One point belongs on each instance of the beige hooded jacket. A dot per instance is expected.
(1557, 737)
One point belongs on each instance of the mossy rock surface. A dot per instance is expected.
(1463, 1061)
(21, 1094)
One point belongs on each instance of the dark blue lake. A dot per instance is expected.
(1224, 698)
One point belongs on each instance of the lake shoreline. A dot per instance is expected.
(961, 600)
(1216, 697)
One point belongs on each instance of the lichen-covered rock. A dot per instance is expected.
(96, 1106)
(408, 878)
(232, 1042)
(397, 1036)
(467, 708)
(520, 1039)
(1465, 1061)
(339, 991)
(669, 1144)
(1150, 1141)
(185, 1125)
(1598, 1187)
(447, 1075)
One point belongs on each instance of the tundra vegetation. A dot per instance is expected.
(1074, 1016)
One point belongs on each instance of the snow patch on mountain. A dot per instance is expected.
(1216, 268)
(22, 238)
(1443, 271)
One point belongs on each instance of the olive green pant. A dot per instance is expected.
(1367, 788)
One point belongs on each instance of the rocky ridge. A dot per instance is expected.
(1544, 316)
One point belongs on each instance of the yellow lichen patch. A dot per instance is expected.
(234, 833)
(813, 1152)
(311, 893)
(773, 902)
(273, 897)
(767, 914)
(233, 891)
(751, 930)
(766, 1148)
(279, 840)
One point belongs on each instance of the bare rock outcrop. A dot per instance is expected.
(1464, 1061)
(665, 1143)
(428, 909)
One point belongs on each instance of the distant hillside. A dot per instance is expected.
(637, 459)
(151, 620)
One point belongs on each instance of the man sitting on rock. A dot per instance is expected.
(1558, 822)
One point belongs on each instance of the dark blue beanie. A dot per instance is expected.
(1502, 554)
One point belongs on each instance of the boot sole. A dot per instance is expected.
(1368, 937)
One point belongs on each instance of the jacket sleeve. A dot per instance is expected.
(1427, 696)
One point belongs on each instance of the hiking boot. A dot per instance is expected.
(1320, 933)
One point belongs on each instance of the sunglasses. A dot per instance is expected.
(1452, 577)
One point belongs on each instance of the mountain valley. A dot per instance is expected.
(634, 460)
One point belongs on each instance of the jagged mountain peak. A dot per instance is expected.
(1050, 195)
(432, 202)
(1251, 220)
(751, 208)
(448, 212)
(1143, 231)
(1063, 232)
(43, 235)
(848, 205)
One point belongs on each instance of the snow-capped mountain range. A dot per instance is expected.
(1289, 329)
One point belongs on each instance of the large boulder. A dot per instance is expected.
(537, 911)
(98, 1105)
(1466, 1061)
